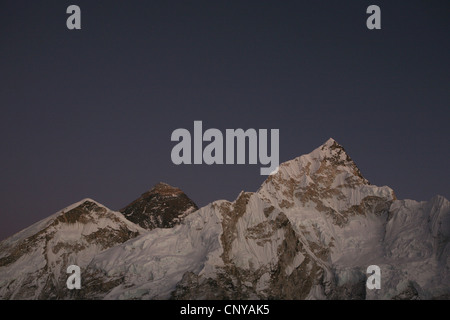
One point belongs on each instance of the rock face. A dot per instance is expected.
(163, 206)
(309, 232)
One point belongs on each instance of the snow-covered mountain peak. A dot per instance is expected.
(326, 179)
(332, 154)
(328, 159)
(84, 211)
(33, 261)
(330, 142)
(88, 200)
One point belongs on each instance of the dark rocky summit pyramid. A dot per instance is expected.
(161, 207)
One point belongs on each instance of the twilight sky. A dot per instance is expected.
(90, 113)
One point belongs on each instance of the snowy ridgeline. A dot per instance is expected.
(309, 232)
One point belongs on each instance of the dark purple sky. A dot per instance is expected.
(89, 113)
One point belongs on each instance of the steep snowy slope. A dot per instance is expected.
(309, 232)
(33, 262)
(151, 265)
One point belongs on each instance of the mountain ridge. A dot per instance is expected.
(309, 232)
